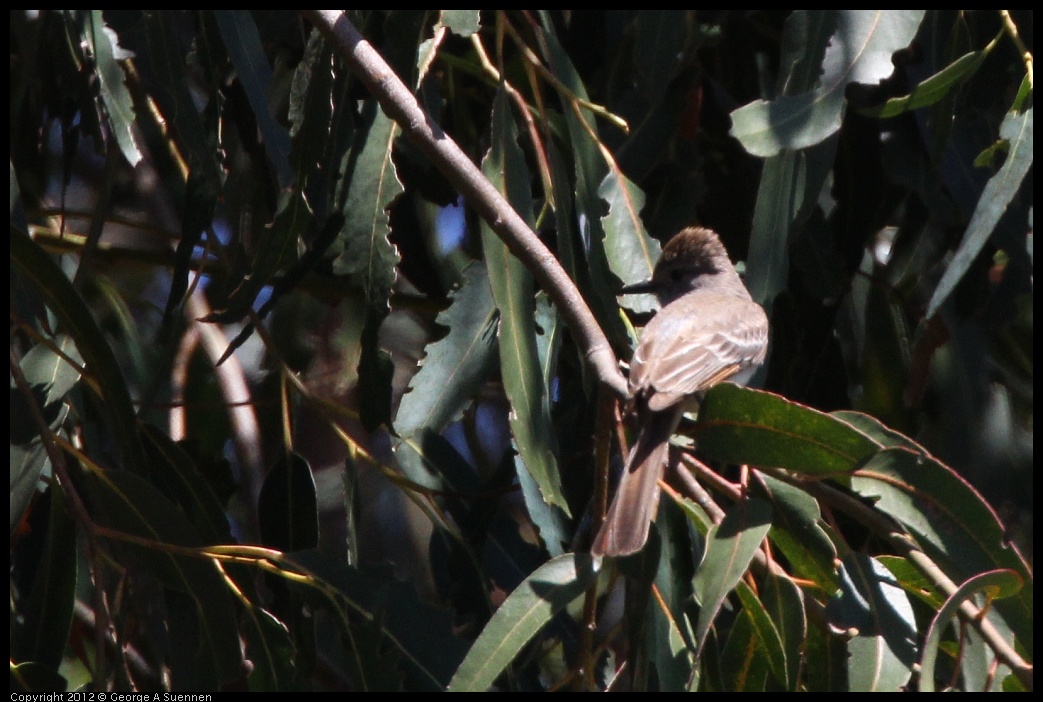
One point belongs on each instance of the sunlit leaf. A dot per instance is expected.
(798, 530)
(547, 591)
(119, 106)
(631, 252)
(872, 606)
(364, 253)
(933, 89)
(859, 52)
(730, 546)
(739, 425)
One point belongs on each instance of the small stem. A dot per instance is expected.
(566, 92)
(1012, 32)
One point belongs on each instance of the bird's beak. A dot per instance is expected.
(646, 286)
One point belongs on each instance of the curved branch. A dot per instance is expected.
(399, 104)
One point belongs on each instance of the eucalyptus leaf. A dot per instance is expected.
(860, 52)
(547, 591)
(514, 294)
(1001, 189)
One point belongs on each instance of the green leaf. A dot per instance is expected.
(950, 521)
(287, 507)
(463, 23)
(243, 42)
(768, 639)
(824, 661)
(932, 89)
(429, 459)
(660, 45)
(996, 584)
(669, 643)
(791, 181)
(533, 604)
(872, 606)
(789, 191)
(995, 197)
(28, 462)
(311, 108)
(730, 546)
(743, 664)
(913, 581)
(797, 530)
(369, 186)
(584, 204)
(72, 312)
(513, 291)
(632, 254)
(859, 52)
(877, 430)
(740, 425)
(783, 601)
(454, 367)
(119, 106)
(50, 378)
(554, 525)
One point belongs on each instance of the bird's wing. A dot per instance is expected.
(694, 343)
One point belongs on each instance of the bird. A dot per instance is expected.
(707, 331)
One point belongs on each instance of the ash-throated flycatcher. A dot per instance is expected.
(708, 331)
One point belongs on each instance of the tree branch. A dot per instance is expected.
(400, 105)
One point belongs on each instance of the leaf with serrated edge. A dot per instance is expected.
(454, 367)
(119, 106)
(366, 255)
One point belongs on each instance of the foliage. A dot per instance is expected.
(286, 414)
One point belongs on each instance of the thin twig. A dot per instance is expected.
(534, 61)
(1012, 31)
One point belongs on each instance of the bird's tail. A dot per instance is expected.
(634, 507)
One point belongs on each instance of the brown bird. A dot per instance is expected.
(708, 331)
